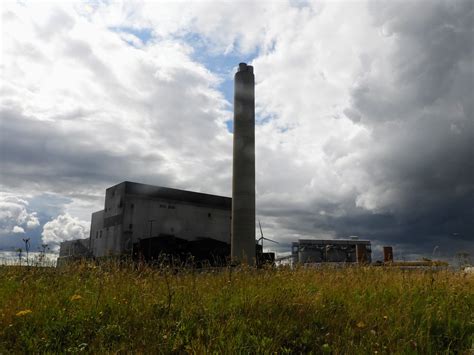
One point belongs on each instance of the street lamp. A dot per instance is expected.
(151, 225)
(27, 248)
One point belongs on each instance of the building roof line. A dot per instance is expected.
(152, 191)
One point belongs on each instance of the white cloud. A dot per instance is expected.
(223, 26)
(33, 222)
(138, 110)
(15, 216)
(64, 227)
(18, 229)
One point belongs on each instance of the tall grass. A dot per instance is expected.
(124, 308)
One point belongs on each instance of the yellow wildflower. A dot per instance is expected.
(24, 312)
(76, 297)
(361, 325)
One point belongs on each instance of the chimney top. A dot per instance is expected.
(245, 67)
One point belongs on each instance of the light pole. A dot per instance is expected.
(151, 225)
(27, 248)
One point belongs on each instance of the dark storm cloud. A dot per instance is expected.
(422, 128)
(431, 60)
(38, 154)
(412, 178)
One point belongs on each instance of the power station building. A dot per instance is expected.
(74, 249)
(150, 221)
(307, 251)
(147, 221)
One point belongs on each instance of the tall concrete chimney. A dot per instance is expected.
(243, 175)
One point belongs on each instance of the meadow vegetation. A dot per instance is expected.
(116, 307)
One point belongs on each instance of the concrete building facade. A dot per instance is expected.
(150, 220)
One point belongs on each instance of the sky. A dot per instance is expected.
(364, 114)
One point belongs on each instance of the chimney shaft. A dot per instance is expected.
(243, 175)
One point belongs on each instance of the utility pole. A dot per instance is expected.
(27, 248)
(151, 225)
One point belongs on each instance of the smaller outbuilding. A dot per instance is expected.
(71, 250)
(307, 251)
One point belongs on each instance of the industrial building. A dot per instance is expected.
(307, 251)
(74, 249)
(148, 221)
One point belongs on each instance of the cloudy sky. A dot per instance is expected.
(365, 114)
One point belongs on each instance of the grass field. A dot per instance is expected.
(357, 310)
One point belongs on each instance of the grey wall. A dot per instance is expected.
(126, 218)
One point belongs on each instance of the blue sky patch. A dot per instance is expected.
(144, 34)
(222, 64)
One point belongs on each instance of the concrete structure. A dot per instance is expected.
(341, 251)
(362, 253)
(243, 178)
(73, 249)
(145, 221)
(423, 264)
(151, 219)
(387, 254)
